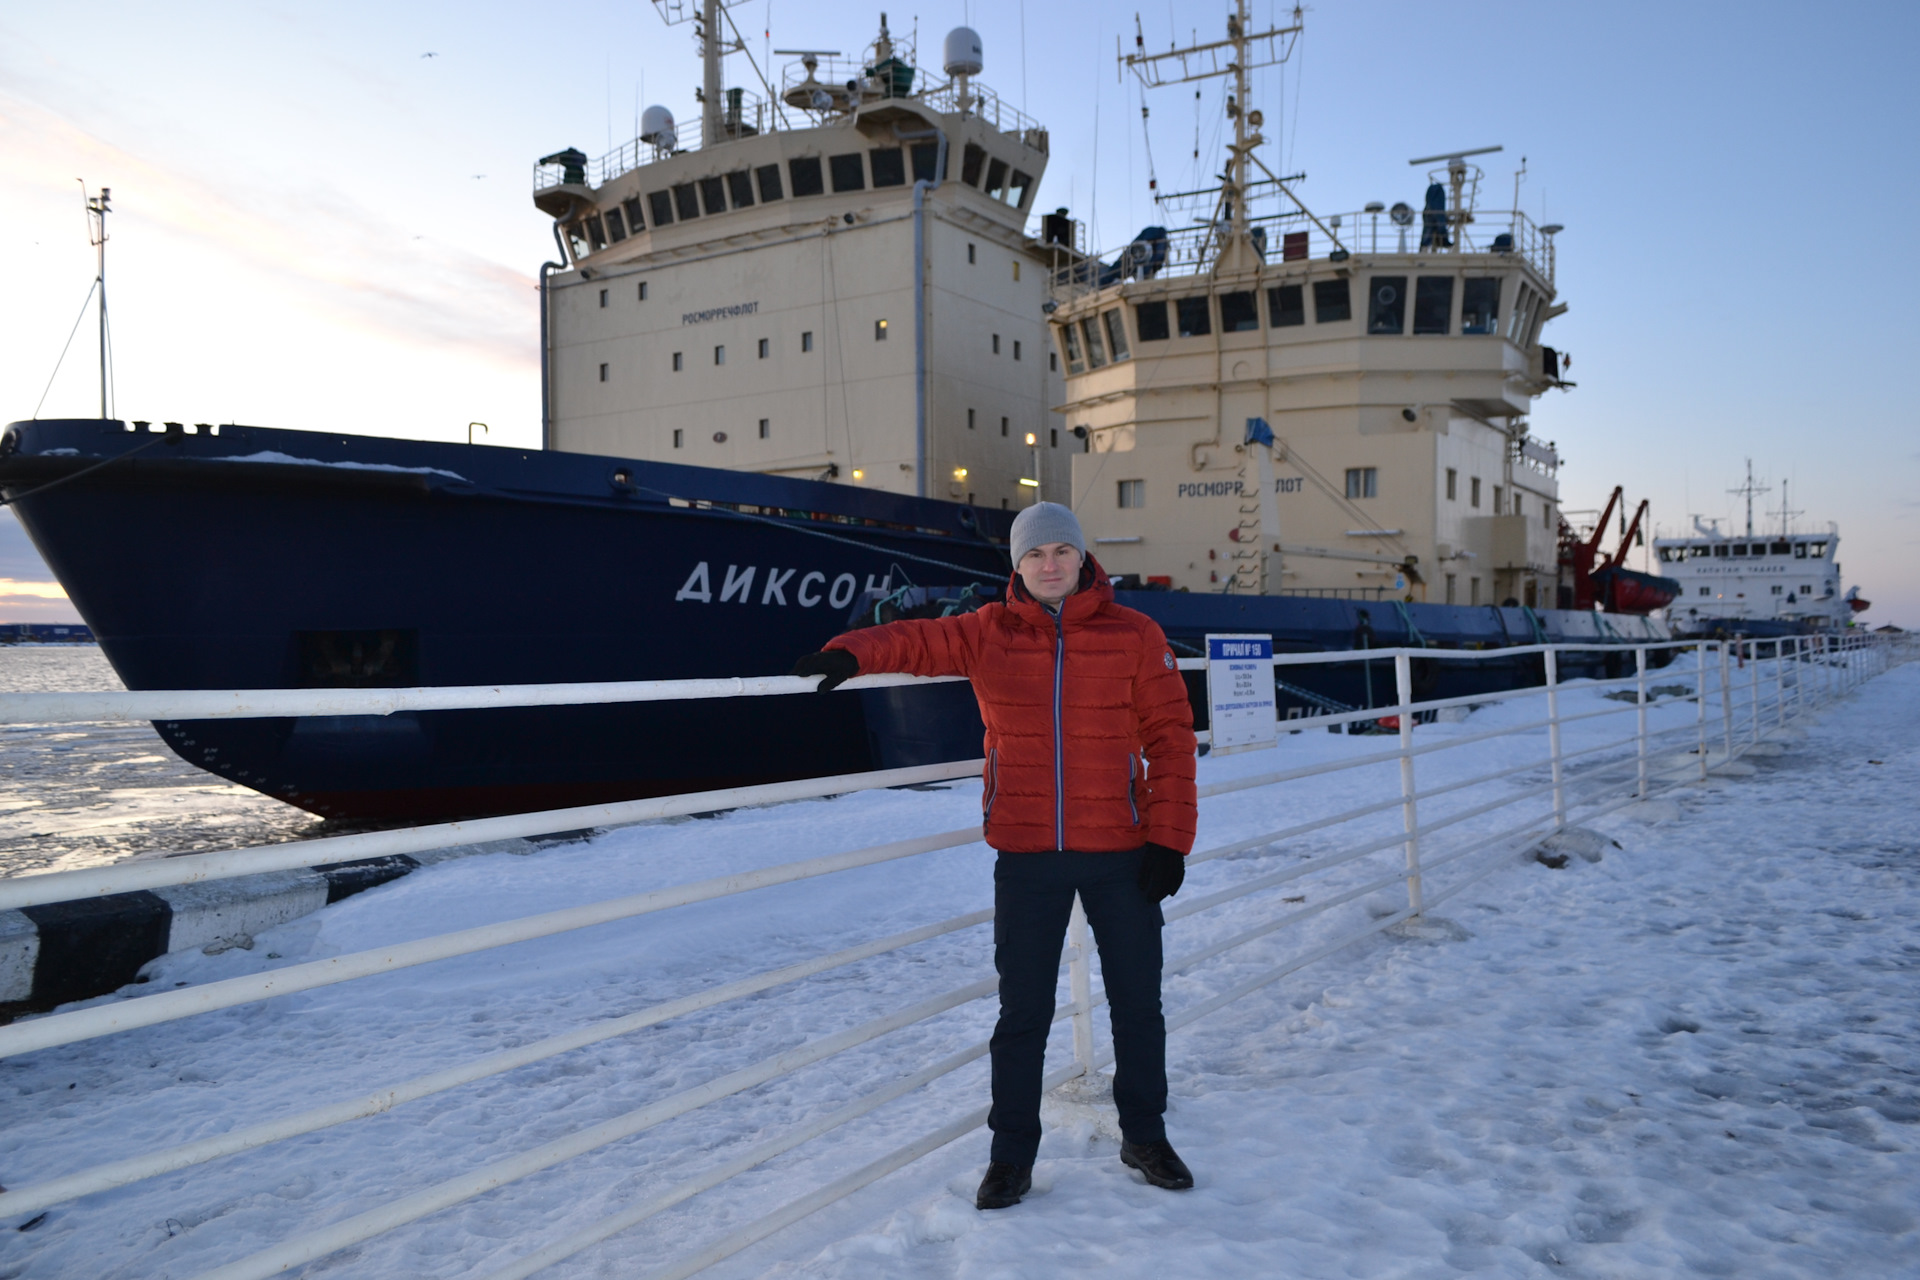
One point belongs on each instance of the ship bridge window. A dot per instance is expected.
(972, 160)
(1096, 349)
(1116, 336)
(1480, 305)
(1760, 548)
(1740, 548)
(661, 203)
(997, 179)
(635, 223)
(848, 173)
(769, 177)
(889, 167)
(713, 194)
(1150, 321)
(805, 172)
(1433, 304)
(1017, 188)
(596, 232)
(1817, 550)
(1387, 304)
(1238, 313)
(926, 155)
(686, 201)
(1700, 552)
(577, 240)
(1516, 324)
(740, 187)
(1286, 306)
(1196, 316)
(1781, 548)
(616, 226)
(1799, 551)
(1363, 482)
(1720, 549)
(1331, 301)
(1070, 339)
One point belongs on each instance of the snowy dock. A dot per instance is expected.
(1694, 1054)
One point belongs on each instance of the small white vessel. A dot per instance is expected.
(1757, 583)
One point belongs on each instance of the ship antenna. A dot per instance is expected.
(1241, 53)
(97, 209)
(1749, 490)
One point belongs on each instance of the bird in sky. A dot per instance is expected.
(429, 55)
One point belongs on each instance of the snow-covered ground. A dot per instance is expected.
(1697, 1056)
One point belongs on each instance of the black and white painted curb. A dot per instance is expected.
(61, 951)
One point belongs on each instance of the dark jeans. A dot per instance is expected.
(1032, 898)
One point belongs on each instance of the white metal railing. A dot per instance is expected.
(1191, 249)
(1441, 843)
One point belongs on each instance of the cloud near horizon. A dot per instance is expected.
(367, 271)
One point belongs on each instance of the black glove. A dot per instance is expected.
(1161, 871)
(835, 664)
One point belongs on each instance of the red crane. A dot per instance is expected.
(1609, 584)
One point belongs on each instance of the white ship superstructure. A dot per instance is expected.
(1786, 577)
(1392, 355)
(1790, 577)
(831, 281)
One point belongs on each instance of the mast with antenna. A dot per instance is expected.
(97, 209)
(1787, 513)
(1750, 490)
(1241, 53)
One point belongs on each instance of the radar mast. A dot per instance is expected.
(1241, 53)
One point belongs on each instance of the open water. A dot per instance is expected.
(83, 795)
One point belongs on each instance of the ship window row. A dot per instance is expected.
(1747, 550)
(1332, 303)
(804, 176)
(765, 427)
(763, 348)
(1095, 341)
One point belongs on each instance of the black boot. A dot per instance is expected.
(1159, 1164)
(1006, 1183)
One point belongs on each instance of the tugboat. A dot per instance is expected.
(801, 369)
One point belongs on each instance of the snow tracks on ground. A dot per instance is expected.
(1700, 1056)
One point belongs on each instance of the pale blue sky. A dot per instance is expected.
(319, 227)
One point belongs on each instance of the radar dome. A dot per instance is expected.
(656, 126)
(962, 55)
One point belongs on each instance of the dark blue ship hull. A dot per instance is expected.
(256, 558)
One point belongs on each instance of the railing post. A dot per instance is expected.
(1640, 713)
(1800, 678)
(1780, 681)
(1726, 699)
(1409, 817)
(1753, 684)
(1552, 657)
(1080, 982)
(1700, 704)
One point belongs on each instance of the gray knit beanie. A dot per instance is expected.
(1043, 524)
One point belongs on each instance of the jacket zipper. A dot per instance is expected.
(1059, 751)
(1132, 808)
(993, 784)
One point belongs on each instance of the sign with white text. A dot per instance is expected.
(1240, 699)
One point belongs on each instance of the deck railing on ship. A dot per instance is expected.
(1433, 826)
(1192, 250)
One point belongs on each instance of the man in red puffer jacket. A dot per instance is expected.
(1089, 789)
